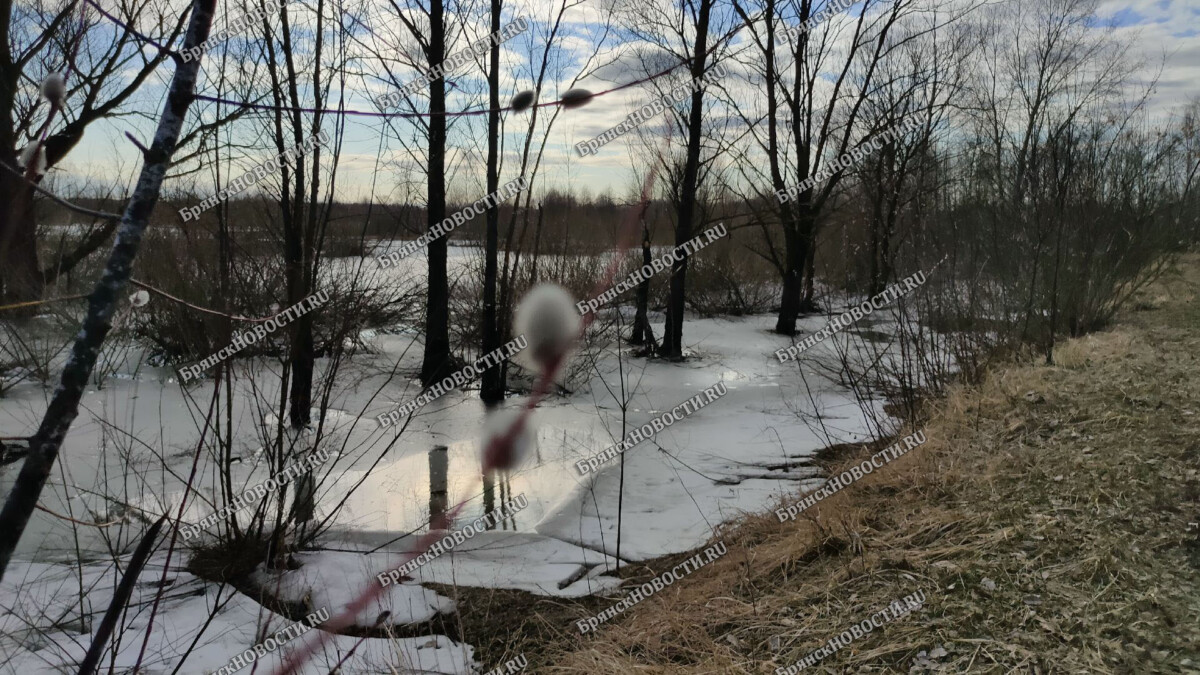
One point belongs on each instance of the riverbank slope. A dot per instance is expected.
(1050, 522)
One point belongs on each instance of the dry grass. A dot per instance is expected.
(1046, 520)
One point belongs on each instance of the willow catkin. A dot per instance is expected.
(54, 88)
(549, 321)
(576, 98)
(521, 101)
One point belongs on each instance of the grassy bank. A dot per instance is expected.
(1046, 520)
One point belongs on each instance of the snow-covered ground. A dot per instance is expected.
(741, 453)
(40, 631)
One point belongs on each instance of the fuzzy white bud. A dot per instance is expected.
(549, 321)
(54, 88)
(140, 298)
(38, 160)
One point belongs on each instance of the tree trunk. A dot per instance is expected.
(437, 363)
(643, 332)
(302, 360)
(301, 220)
(789, 301)
(20, 274)
(301, 355)
(885, 257)
(807, 304)
(875, 280)
(672, 346)
(537, 248)
(492, 387)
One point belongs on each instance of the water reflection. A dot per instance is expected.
(439, 491)
(439, 472)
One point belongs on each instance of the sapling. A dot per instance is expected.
(64, 403)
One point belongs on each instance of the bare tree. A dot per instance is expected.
(299, 92)
(426, 28)
(910, 111)
(437, 362)
(1052, 123)
(546, 63)
(808, 124)
(681, 34)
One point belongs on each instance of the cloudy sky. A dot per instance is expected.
(379, 157)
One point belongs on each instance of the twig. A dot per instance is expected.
(133, 139)
(31, 303)
(104, 215)
(198, 308)
(183, 500)
(78, 522)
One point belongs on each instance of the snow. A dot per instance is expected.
(333, 581)
(741, 453)
(516, 560)
(214, 622)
